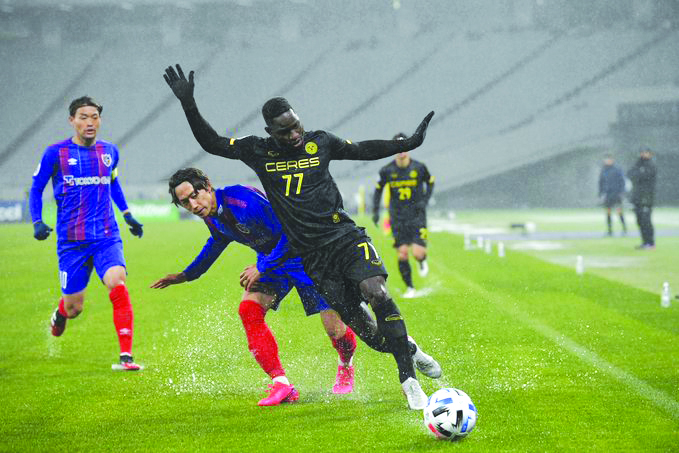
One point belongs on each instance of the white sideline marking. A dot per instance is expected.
(655, 396)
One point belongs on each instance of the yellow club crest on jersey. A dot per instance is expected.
(413, 174)
(335, 217)
(311, 148)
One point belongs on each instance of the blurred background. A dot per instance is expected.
(529, 94)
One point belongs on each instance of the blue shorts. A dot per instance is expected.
(279, 282)
(77, 258)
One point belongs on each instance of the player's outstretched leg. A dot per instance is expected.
(345, 346)
(58, 321)
(424, 363)
(262, 344)
(123, 320)
(392, 326)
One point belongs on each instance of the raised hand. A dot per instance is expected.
(417, 138)
(181, 87)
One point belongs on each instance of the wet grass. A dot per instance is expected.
(554, 361)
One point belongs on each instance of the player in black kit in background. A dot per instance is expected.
(410, 188)
(292, 165)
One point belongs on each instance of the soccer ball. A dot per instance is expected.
(450, 414)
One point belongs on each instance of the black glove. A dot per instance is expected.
(417, 138)
(181, 87)
(135, 227)
(41, 230)
(376, 218)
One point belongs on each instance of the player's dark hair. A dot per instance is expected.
(273, 108)
(400, 136)
(194, 176)
(83, 101)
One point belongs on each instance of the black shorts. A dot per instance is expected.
(410, 231)
(338, 268)
(611, 201)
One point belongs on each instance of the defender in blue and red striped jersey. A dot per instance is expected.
(244, 215)
(83, 172)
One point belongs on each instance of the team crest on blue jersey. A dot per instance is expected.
(107, 159)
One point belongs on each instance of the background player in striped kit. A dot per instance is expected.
(84, 178)
(410, 188)
(243, 214)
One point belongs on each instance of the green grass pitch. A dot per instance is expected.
(553, 361)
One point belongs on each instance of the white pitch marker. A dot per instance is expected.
(501, 249)
(665, 295)
(579, 265)
(467, 242)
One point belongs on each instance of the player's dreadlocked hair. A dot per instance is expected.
(196, 177)
(82, 102)
(273, 108)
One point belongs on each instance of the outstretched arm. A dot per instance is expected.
(169, 279)
(377, 149)
(206, 136)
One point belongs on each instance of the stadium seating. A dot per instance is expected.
(504, 98)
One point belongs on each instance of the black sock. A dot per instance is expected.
(406, 273)
(609, 223)
(366, 328)
(391, 325)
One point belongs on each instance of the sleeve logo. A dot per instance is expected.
(311, 148)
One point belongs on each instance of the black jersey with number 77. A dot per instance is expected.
(299, 185)
(297, 181)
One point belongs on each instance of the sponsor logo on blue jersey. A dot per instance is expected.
(70, 180)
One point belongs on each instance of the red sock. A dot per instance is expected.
(261, 341)
(123, 318)
(62, 309)
(345, 345)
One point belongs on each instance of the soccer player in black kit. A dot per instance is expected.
(410, 188)
(292, 165)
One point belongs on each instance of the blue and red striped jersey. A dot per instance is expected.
(244, 215)
(84, 183)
